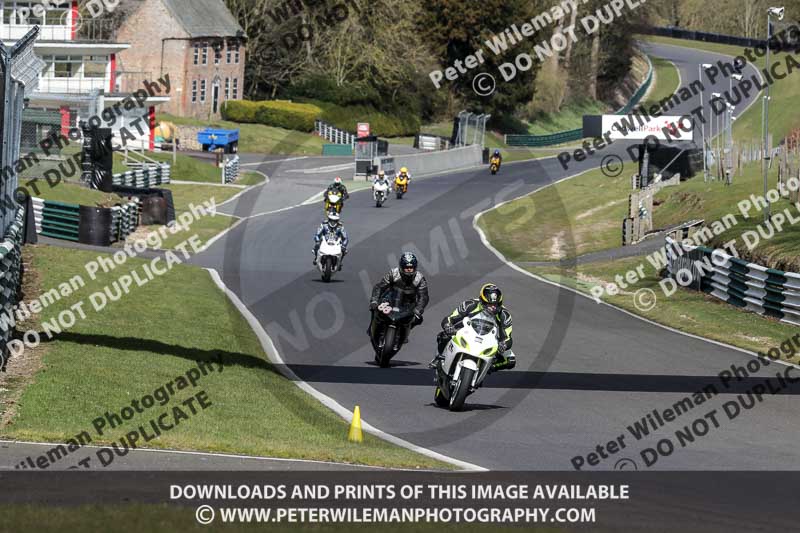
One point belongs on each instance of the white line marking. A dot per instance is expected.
(275, 161)
(210, 454)
(276, 359)
(516, 267)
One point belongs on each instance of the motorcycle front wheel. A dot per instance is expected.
(461, 390)
(327, 270)
(387, 350)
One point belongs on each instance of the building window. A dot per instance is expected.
(236, 53)
(202, 91)
(94, 66)
(66, 66)
(196, 53)
(228, 51)
(22, 13)
(194, 91)
(56, 17)
(205, 53)
(227, 88)
(218, 54)
(235, 88)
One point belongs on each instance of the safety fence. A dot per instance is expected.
(333, 134)
(749, 286)
(10, 273)
(538, 141)
(230, 170)
(680, 33)
(88, 225)
(145, 177)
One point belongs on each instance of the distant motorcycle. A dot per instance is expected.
(333, 200)
(391, 324)
(494, 165)
(400, 186)
(467, 360)
(380, 191)
(329, 257)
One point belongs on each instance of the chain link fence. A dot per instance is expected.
(20, 70)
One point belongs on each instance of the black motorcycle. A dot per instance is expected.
(390, 326)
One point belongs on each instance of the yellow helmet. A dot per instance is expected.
(404, 170)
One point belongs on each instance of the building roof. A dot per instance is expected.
(204, 18)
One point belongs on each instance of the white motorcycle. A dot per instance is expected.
(380, 191)
(468, 357)
(329, 257)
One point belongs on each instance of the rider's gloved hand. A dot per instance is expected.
(450, 330)
(373, 306)
(502, 346)
(417, 319)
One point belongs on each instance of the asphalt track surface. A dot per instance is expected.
(585, 371)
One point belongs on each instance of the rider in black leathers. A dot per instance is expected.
(411, 284)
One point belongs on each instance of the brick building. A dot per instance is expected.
(197, 42)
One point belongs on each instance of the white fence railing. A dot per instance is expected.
(333, 134)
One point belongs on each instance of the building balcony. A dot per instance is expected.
(83, 31)
(72, 85)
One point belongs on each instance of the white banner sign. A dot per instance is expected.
(637, 127)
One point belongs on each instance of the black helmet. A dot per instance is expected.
(408, 266)
(492, 298)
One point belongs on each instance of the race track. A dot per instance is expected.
(585, 371)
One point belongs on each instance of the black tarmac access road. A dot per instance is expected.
(585, 371)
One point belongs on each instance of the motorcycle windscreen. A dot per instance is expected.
(482, 325)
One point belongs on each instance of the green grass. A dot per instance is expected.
(157, 332)
(570, 117)
(712, 201)
(185, 168)
(686, 310)
(577, 216)
(74, 194)
(258, 138)
(666, 81)
(250, 178)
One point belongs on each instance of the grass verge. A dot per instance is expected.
(686, 310)
(155, 333)
(258, 138)
(574, 217)
(666, 81)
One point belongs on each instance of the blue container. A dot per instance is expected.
(213, 139)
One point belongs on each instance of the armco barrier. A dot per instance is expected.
(71, 221)
(433, 162)
(230, 170)
(10, 273)
(145, 177)
(535, 141)
(749, 286)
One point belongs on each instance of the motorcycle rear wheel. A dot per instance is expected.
(461, 391)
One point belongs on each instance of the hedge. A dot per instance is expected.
(301, 116)
(277, 113)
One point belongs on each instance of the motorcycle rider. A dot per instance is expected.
(490, 299)
(412, 285)
(332, 226)
(404, 174)
(338, 187)
(381, 178)
(497, 156)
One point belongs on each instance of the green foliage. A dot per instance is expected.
(383, 124)
(276, 113)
